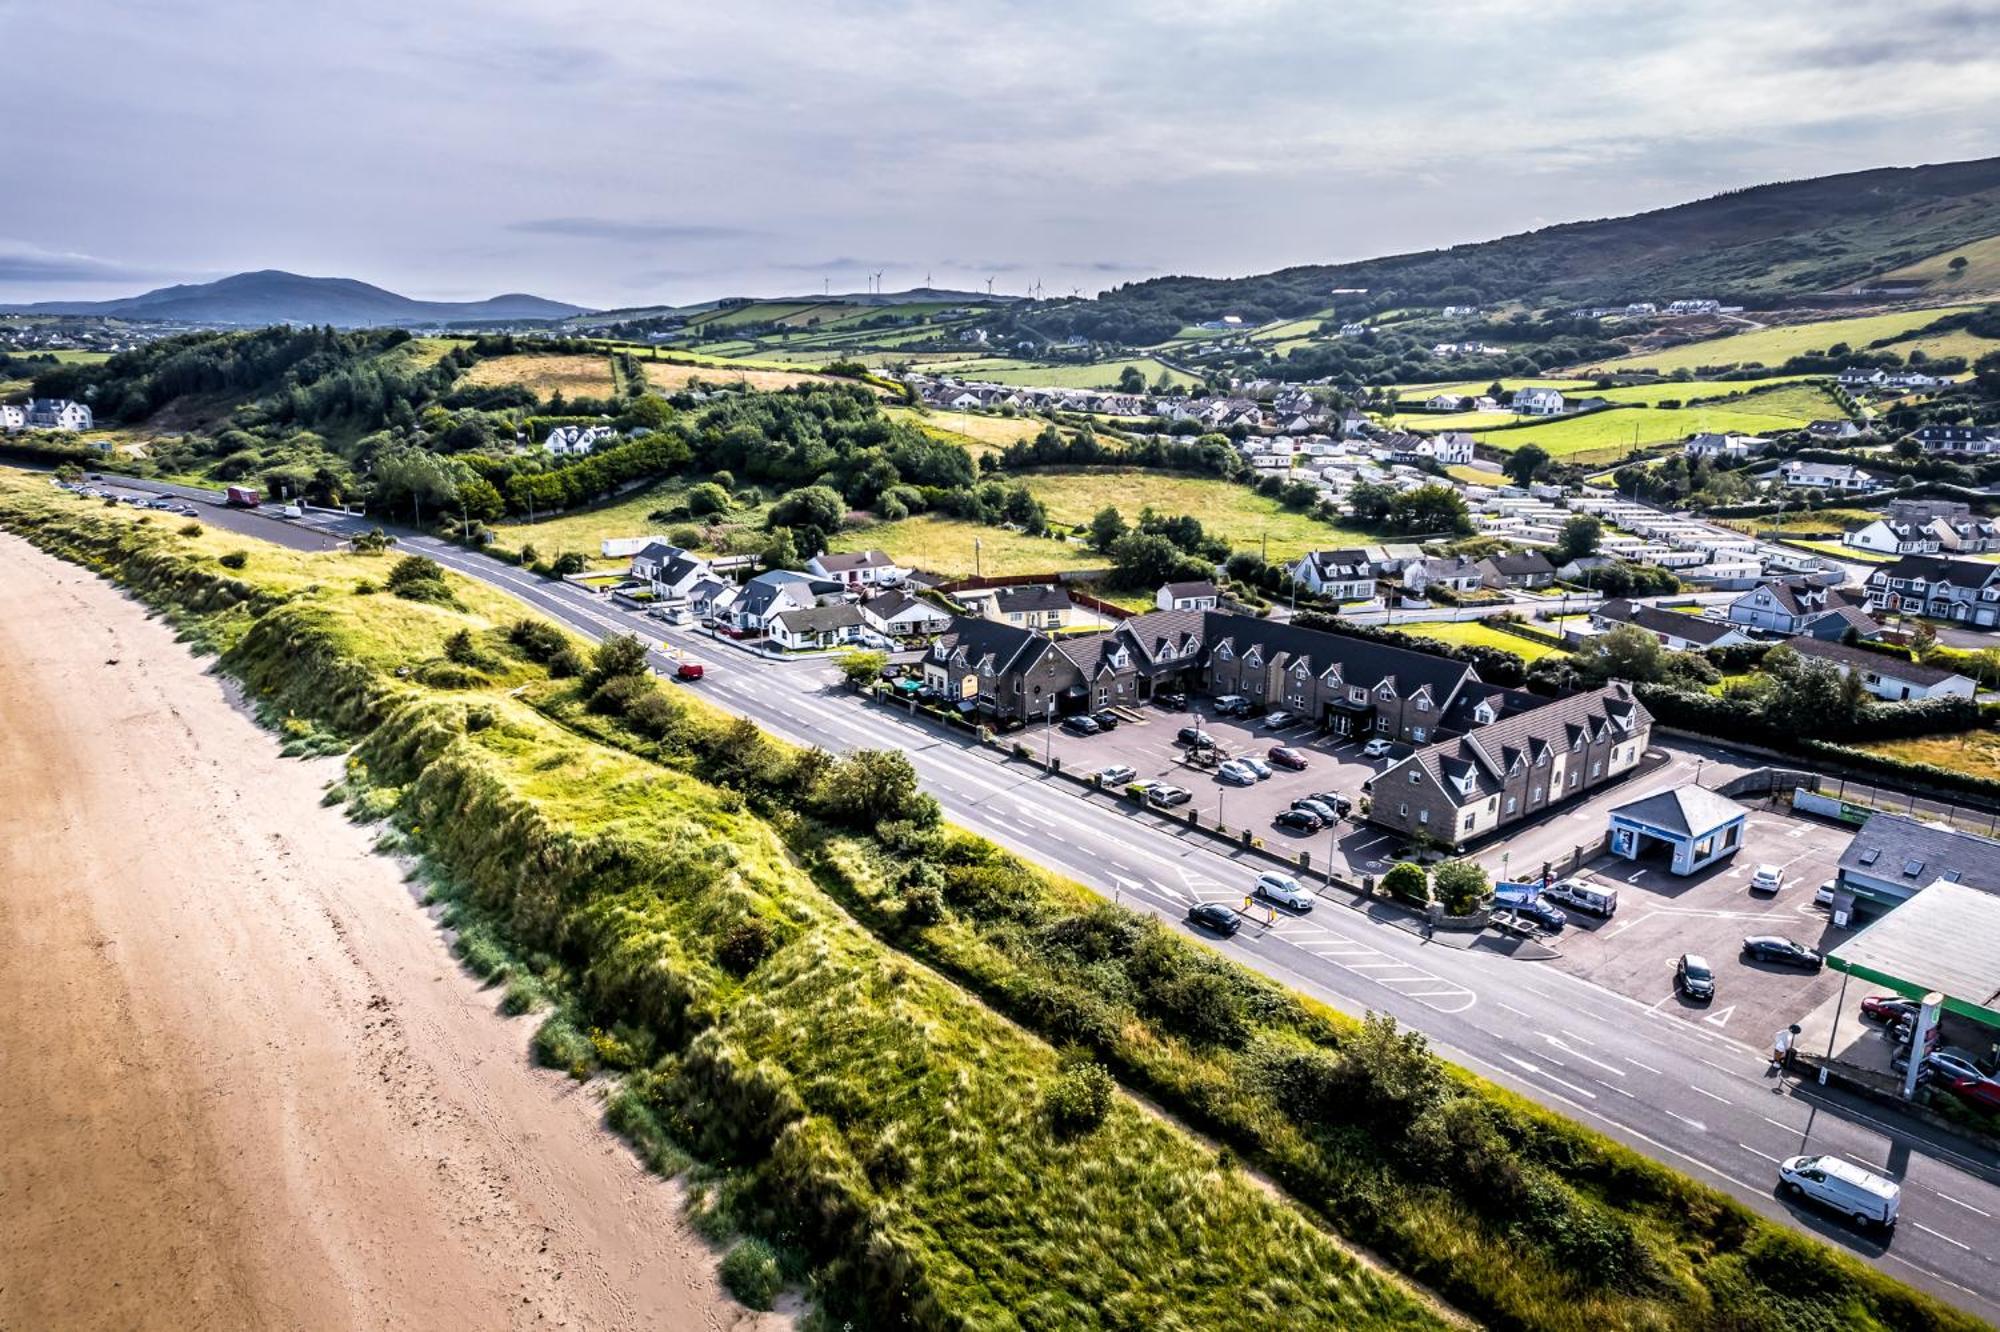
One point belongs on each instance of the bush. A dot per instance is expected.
(190, 529)
(567, 663)
(1080, 1098)
(745, 944)
(753, 1274)
(1407, 882)
(567, 563)
(621, 654)
(707, 498)
(460, 648)
(538, 639)
(420, 578)
(234, 559)
(1461, 885)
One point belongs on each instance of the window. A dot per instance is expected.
(1538, 793)
(1871, 855)
(1402, 811)
(1423, 705)
(1415, 776)
(1574, 778)
(1423, 816)
(1913, 868)
(1512, 804)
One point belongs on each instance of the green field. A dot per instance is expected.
(1435, 421)
(946, 546)
(1779, 409)
(1226, 509)
(1777, 344)
(1981, 271)
(976, 432)
(1463, 387)
(1031, 374)
(584, 530)
(1471, 633)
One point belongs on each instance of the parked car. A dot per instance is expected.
(1231, 705)
(189, 511)
(1319, 809)
(1780, 951)
(1106, 718)
(1906, 1031)
(688, 670)
(1545, 914)
(1297, 820)
(1949, 1063)
(1282, 889)
(1256, 765)
(892, 672)
(1174, 699)
(164, 503)
(1585, 895)
(1377, 748)
(1889, 1008)
(1214, 916)
(1236, 773)
(1079, 725)
(1858, 1194)
(1277, 721)
(1766, 879)
(1193, 735)
(1693, 978)
(1165, 795)
(1340, 803)
(1115, 775)
(1980, 1093)
(1284, 756)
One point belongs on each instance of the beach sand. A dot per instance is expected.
(243, 1084)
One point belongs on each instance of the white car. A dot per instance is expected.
(1766, 879)
(1115, 774)
(1375, 749)
(1824, 896)
(1279, 720)
(1282, 889)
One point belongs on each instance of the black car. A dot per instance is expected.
(892, 672)
(1545, 914)
(1298, 820)
(1693, 978)
(1176, 700)
(1214, 916)
(1780, 951)
(1195, 736)
(1107, 719)
(1316, 807)
(1340, 804)
(1080, 725)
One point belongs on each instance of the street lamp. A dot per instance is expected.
(1049, 732)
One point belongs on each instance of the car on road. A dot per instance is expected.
(189, 511)
(1545, 914)
(1340, 803)
(1584, 895)
(689, 670)
(1693, 978)
(1279, 720)
(1780, 951)
(1284, 756)
(1193, 735)
(1859, 1194)
(1377, 748)
(1107, 719)
(1165, 795)
(1823, 895)
(1889, 1008)
(1950, 1063)
(1298, 820)
(1256, 765)
(1319, 809)
(1214, 916)
(1080, 725)
(1115, 774)
(1282, 889)
(161, 503)
(1231, 705)
(1766, 879)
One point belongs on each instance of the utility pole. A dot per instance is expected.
(975, 558)
(1049, 733)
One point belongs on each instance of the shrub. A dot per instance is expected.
(1460, 885)
(567, 663)
(567, 563)
(1407, 882)
(617, 696)
(745, 944)
(621, 654)
(558, 1044)
(753, 1274)
(234, 559)
(861, 668)
(652, 714)
(707, 498)
(190, 529)
(538, 639)
(1080, 1097)
(460, 648)
(420, 578)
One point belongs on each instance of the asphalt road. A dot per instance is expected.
(1672, 1088)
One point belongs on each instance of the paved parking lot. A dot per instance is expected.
(1661, 915)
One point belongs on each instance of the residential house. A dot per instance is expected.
(670, 570)
(1728, 448)
(1862, 377)
(1452, 448)
(1966, 591)
(1694, 307)
(1444, 402)
(1346, 575)
(900, 615)
(1979, 439)
(1537, 402)
(1351, 686)
(1352, 329)
(1885, 676)
(576, 441)
(1458, 574)
(1674, 629)
(1004, 671)
(1833, 432)
(1033, 607)
(863, 568)
(1640, 309)
(1843, 477)
(1528, 570)
(816, 626)
(1893, 857)
(1783, 608)
(1186, 596)
(1887, 536)
(773, 593)
(56, 414)
(1499, 774)
(13, 416)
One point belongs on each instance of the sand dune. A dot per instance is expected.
(243, 1084)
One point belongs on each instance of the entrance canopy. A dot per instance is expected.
(1942, 939)
(1697, 827)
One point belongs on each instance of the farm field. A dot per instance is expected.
(1974, 752)
(945, 546)
(1226, 509)
(669, 376)
(1982, 270)
(1692, 390)
(1451, 420)
(1772, 346)
(1462, 387)
(584, 530)
(1291, 328)
(1636, 427)
(977, 433)
(573, 376)
(1471, 633)
(1103, 375)
(426, 352)
(1820, 520)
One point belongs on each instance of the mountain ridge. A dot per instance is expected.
(273, 296)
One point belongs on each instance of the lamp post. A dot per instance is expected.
(1049, 732)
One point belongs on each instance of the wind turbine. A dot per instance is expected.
(989, 286)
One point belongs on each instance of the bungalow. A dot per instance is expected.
(1885, 676)
(900, 615)
(865, 568)
(1674, 629)
(1826, 476)
(1957, 438)
(1537, 402)
(1186, 596)
(816, 626)
(1459, 574)
(1859, 376)
(1037, 607)
(1529, 570)
(1967, 591)
(1346, 575)
(1444, 402)
(1834, 430)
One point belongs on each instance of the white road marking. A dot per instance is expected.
(1648, 1067)
(1754, 1152)
(1789, 1128)
(1966, 1205)
(1941, 1235)
(1511, 1009)
(1721, 1017)
(1694, 1124)
(1709, 1094)
(1533, 1068)
(1578, 1054)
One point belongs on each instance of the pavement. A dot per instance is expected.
(1687, 1093)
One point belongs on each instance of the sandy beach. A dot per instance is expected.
(243, 1083)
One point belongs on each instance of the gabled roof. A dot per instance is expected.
(891, 604)
(1937, 568)
(854, 560)
(1692, 810)
(1898, 842)
(1861, 659)
(1494, 750)
(1201, 588)
(1003, 646)
(1362, 662)
(818, 619)
(1013, 600)
(1521, 565)
(1694, 628)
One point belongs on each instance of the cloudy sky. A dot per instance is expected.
(637, 151)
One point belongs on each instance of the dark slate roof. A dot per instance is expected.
(1836, 622)
(761, 592)
(680, 566)
(1936, 568)
(1006, 645)
(1010, 600)
(1488, 752)
(1361, 661)
(1531, 562)
(1694, 628)
(1203, 588)
(1152, 634)
(1692, 810)
(860, 559)
(1861, 659)
(817, 619)
(1900, 842)
(891, 604)
(1339, 563)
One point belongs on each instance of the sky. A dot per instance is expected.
(621, 153)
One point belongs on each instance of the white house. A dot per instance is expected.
(1443, 402)
(1784, 608)
(575, 441)
(816, 626)
(670, 570)
(774, 593)
(1674, 629)
(1885, 676)
(1186, 596)
(1347, 575)
(1826, 476)
(864, 568)
(1537, 402)
(1453, 448)
(55, 414)
(900, 615)
(13, 416)
(1457, 574)
(1886, 537)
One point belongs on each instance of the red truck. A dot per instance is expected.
(241, 497)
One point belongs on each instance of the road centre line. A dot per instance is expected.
(1709, 1094)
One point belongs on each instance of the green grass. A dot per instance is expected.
(1226, 509)
(976, 432)
(1470, 633)
(1819, 520)
(1434, 421)
(1981, 273)
(1777, 344)
(584, 530)
(1098, 375)
(945, 546)
(1637, 427)
(1975, 752)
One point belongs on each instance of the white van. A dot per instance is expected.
(1585, 896)
(1857, 1193)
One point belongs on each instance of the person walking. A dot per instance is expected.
(1781, 1049)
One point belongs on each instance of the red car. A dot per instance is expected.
(1982, 1093)
(1286, 757)
(1888, 1008)
(688, 670)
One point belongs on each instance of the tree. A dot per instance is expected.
(1369, 502)
(1140, 560)
(1131, 380)
(1432, 508)
(707, 498)
(1581, 536)
(1957, 265)
(870, 786)
(414, 477)
(620, 654)
(1461, 885)
(1923, 641)
(1407, 882)
(811, 514)
(1524, 464)
(479, 501)
(862, 668)
(1106, 528)
(1626, 653)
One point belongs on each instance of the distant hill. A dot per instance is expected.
(914, 296)
(273, 297)
(1767, 245)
